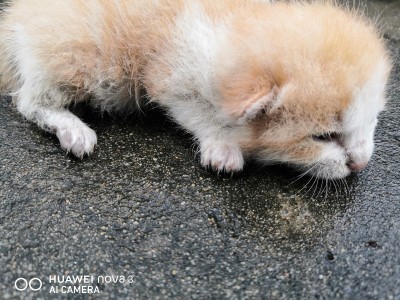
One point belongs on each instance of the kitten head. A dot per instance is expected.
(309, 91)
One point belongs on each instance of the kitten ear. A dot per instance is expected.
(247, 104)
(256, 105)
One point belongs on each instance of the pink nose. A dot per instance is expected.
(356, 166)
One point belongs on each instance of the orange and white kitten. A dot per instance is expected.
(300, 83)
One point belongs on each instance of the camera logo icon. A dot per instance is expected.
(34, 284)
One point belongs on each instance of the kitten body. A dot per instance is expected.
(298, 83)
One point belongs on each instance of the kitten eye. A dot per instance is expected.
(326, 137)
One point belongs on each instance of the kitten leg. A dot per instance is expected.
(217, 138)
(74, 135)
(40, 101)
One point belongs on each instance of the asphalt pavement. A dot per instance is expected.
(141, 219)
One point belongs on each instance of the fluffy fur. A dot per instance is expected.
(300, 83)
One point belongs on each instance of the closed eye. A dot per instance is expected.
(326, 137)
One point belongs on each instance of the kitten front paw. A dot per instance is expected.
(77, 138)
(222, 157)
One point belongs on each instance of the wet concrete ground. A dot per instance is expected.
(142, 207)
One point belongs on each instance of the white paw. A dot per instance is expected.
(222, 157)
(77, 138)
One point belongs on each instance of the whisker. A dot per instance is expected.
(302, 175)
(346, 188)
(336, 189)
(327, 188)
(321, 190)
(315, 189)
(312, 177)
(314, 180)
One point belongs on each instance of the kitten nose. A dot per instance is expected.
(356, 166)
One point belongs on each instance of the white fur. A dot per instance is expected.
(197, 42)
(361, 118)
(40, 102)
(222, 156)
(356, 144)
